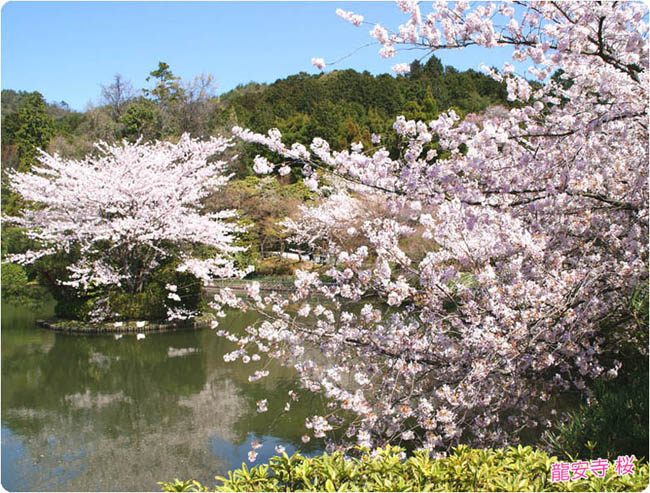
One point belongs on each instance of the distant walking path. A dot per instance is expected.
(239, 285)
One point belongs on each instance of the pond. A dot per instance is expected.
(96, 413)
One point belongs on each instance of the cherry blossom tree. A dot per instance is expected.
(535, 223)
(127, 209)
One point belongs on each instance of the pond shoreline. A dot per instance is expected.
(78, 327)
(238, 286)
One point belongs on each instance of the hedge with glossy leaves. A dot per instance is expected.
(465, 469)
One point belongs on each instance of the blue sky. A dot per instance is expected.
(65, 50)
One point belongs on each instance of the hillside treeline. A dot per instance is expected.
(341, 106)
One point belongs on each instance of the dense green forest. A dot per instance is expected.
(341, 106)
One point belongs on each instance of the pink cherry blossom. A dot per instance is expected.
(401, 68)
(355, 19)
(262, 406)
(122, 206)
(319, 63)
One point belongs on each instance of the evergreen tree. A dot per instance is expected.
(29, 129)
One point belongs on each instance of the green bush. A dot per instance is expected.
(616, 422)
(17, 290)
(14, 281)
(73, 308)
(465, 469)
(148, 305)
(152, 302)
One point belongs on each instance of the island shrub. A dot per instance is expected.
(74, 308)
(152, 303)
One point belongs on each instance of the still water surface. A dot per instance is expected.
(92, 413)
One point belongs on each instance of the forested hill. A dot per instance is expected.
(341, 106)
(346, 106)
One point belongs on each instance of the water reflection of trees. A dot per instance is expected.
(95, 413)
